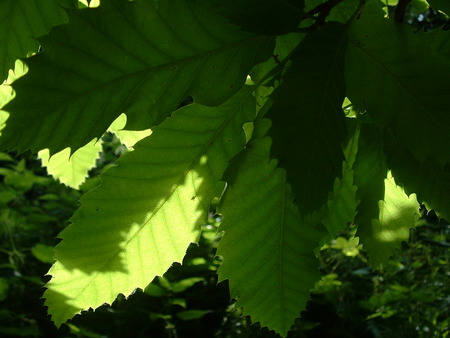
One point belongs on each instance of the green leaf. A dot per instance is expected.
(129, 57)
(420, 6)
(427, 180)
(308, 120)
(148, 209)
(385, 213)
(267, 250)
(6, 92)
(127, 137)
(43, 252)
(185, 284)
(71, 170)
(192, 314)
(155, 290)
(401, 78)
(341, 207)
(370, 170)
(443, 5)
(398, 213)
(262, 16)
(21, 22)
(343, 202)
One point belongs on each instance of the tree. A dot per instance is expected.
(307, 117)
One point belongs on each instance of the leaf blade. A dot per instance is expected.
(273, 269)
(408, 75)
(151, 64)
(21, 21)
(307, 132)
(148, 209)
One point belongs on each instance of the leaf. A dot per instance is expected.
(140, 58)
(267, 250)
(342, 205)
(148, 209)
(192, 314)
(427, 180)
(186, 283)
(308, 130)
(127, 137)
(6, 92)
(385, 213)
(71, 170)
(398, 213)
(401, 78)
(370, 170)
(262, 16)
(21, 21)
(43, 252)
(343, 202)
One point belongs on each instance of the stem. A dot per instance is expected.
(400, 10)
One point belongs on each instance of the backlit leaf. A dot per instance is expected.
(71, 170)
(141, 58)
(148, 208)
(398, 213)
(401, 78)
(267, 250)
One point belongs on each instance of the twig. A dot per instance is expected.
(400, 10)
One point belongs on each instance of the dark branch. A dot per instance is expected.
(400, 10)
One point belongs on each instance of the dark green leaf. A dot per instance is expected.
(308, 121)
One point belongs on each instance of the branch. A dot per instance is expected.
(400, 10)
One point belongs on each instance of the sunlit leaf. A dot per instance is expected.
(148, 208)
(398, 213)
(129, 57)
(68, 169)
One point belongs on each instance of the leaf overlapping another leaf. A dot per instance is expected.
(427, 180)
(148, 209)
(267, 250)
(401, 78)
(385, 213)
(21, 22)
(141, 58)
(308, 122)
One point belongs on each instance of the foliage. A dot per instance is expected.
(349, 300)
(248, 114)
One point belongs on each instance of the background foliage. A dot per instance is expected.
(410, 294)
(307, 122)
